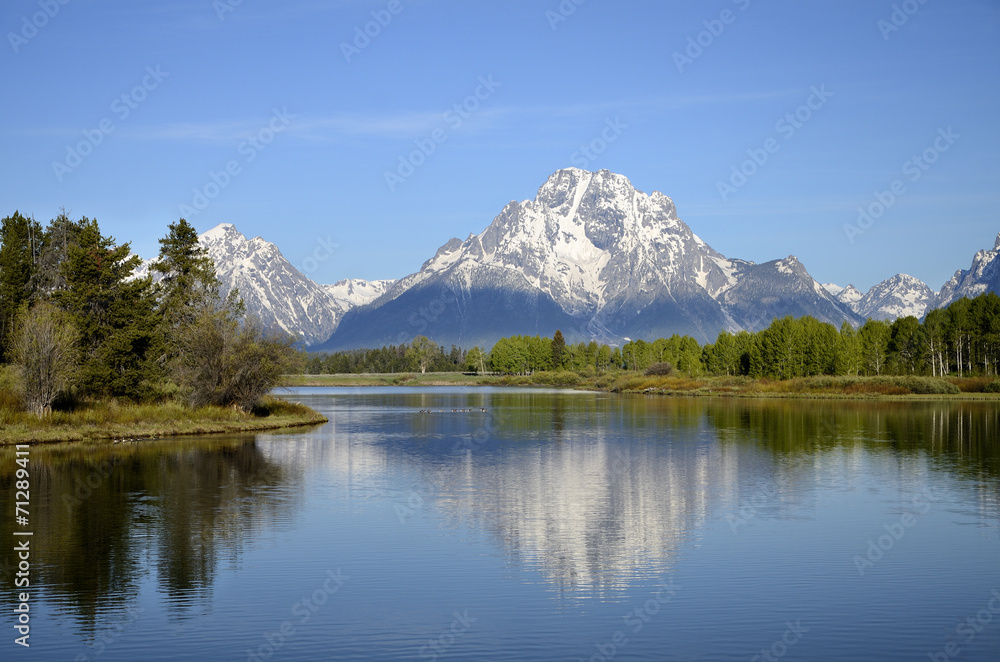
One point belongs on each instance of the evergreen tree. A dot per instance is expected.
(558, 347)
(20, 243)
(56, 240)
(114, 315)
(189, 282)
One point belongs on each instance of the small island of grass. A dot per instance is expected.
(115, 421)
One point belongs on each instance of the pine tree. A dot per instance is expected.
(114, 315)
(20, 242)
(189, 282)
(558, 348)
(56, 240)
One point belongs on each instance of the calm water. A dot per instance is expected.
(553, 526)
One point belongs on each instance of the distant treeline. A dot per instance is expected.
(419, 356)
(960, 340)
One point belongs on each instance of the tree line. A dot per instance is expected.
(76, 322)
(960, 340)
(421, 355)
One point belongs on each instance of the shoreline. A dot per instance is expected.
(818, 388)
(151, 422)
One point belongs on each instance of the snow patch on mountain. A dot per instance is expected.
(352, 292)
(899, 296)
(982, 276)
(616, 260)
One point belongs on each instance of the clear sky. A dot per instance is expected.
(122, 110)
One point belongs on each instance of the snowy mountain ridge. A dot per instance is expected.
(590, 255)
(595, 255)
(901, 295)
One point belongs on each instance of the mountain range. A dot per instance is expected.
(589, 255)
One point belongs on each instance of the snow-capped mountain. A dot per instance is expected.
(982, 276)
(272, 289)
(848, 296)
(352, 292)
(761, 292)
(899, 296)
(594, 257)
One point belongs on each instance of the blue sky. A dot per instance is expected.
(127, 111)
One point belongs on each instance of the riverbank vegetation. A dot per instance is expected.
(953, 350)
(624, 381)
(90, 348)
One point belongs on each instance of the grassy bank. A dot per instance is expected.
(108, 420)
(632, 382)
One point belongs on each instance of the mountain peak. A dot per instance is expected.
(596, 257)
(220, 231)
(901, 295)
(982, 276)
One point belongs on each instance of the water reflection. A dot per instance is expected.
(602, 492)
(105, 520)
(595, 493)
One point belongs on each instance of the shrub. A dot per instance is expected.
(44, 349)
(10, 396)
(660, 370)
(971, 384)
(221, 362)
(992, 387)
(557, 378)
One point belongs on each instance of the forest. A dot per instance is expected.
(78, 324)
(962, 340)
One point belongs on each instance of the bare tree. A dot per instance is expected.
(44, 349)
(223, 362)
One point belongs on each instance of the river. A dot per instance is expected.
(521, 524)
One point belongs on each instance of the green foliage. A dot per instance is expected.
(390, 359)
(189, 283)
(963, 339)
(420, 354)
(521, 355)
(475, 361)
(47, 278)
(558, 348)
(20, 244)
(91, 329)
(120, 339)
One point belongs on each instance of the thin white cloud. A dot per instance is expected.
(402, 124)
